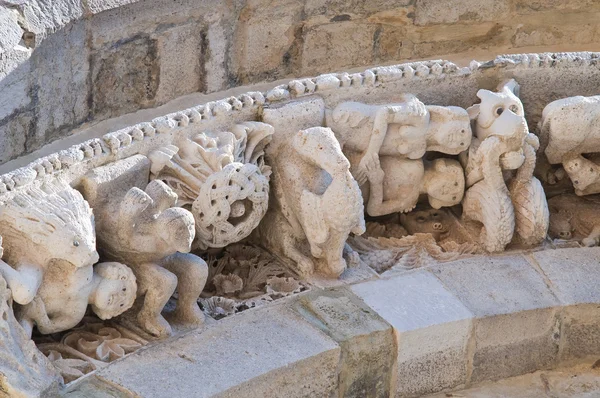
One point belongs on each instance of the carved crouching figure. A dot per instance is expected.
(315, 205)
(143, 230)
(503, 143)
(385, 145)
(50, 244)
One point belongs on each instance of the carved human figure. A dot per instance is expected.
(503, 142)
(575, 218)
(385, 145)
(142, 229)
(50, 244)
(316, 203)
(65, 292)
(408, 128)
(395, 184)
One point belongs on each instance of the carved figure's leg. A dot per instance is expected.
(25, 319)
(191, 272)
(593, 238)
(334, 263)
(304, 265)
(158, 284)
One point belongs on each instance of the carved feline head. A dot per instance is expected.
(445, 183)
(55, 219)
(499, 113)
(428, 221)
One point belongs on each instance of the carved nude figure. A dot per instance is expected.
(503, 143)
(395, 184)
(50, 244)
(315, 205)
(406, 129)
(142, 229)
(385, 144)
(574, 217)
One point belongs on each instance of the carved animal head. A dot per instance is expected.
(500, 114)
(560, 224)
(452, 129)
(116, 291)
(54, 220)
(581, 171)
(445, 183)
(426, 221)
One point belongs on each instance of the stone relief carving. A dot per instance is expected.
(385, 145)
(316, 202)
(142, 229)
(49, 248)
(569, 128)
(222, 178)
(575, 218)
(503, 206)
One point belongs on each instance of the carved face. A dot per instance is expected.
(430, 221)
(499, 114)
(581, 171)
(560, 225)
(445, 183)
(115, 292)
(453, 135)
(176, 228)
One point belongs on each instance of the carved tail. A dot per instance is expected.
(488, 201)
(529, 201)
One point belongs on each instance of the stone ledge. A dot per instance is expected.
(449, 332)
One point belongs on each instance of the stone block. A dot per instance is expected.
(432, 328)
(574, 274)
(10, 31)
(102, 183)
(265, 352)
(516, 330)
(60, 68)
(43, 15)
(94, 387)
(531, 6)
(15, 88)
(580, 332)
(367, 341)
(548, 35)
(265, 38)
(496, 285)
(514, 344)
(14, 133)
(182, 51)
(429, 12)
(96, 6)
(335, 46)
(125, 77)
(340, 10)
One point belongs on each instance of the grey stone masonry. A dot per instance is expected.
(429, 330)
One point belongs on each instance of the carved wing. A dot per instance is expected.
(312, 218)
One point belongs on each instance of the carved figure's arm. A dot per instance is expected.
(131, 212)
(376, 206)
(24, 282)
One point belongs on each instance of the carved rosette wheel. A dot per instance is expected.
(222, 178)
(230, 204)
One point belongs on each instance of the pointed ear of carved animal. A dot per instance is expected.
(511, 86)
(473, 111)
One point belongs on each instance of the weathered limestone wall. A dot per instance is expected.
(64, 63)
